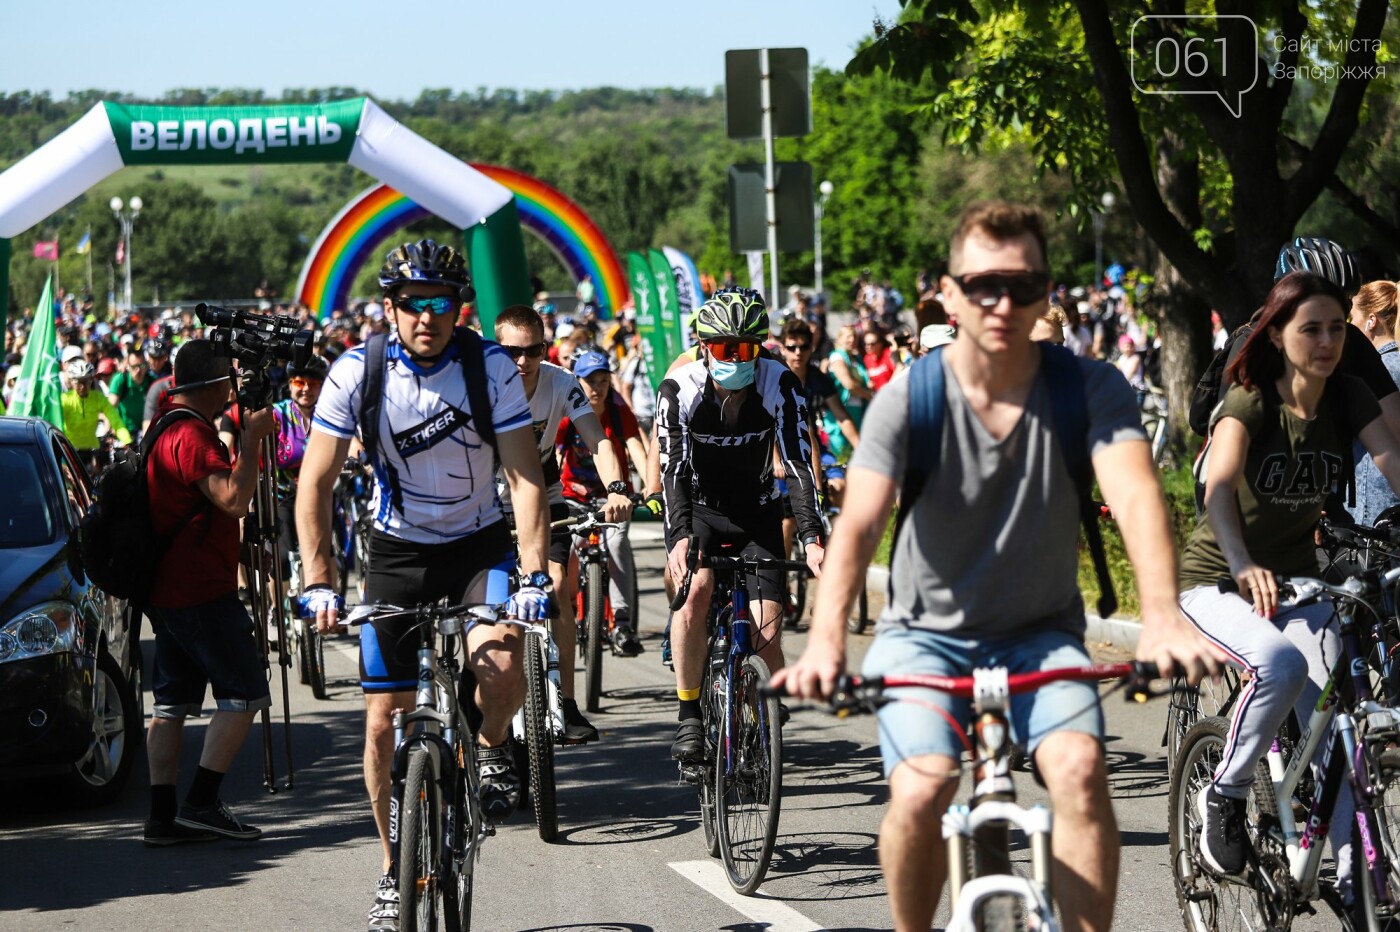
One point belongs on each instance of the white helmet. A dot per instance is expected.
(78, 369)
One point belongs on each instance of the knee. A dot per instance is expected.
(1072, 766)
(921, 790)
(1284, 669)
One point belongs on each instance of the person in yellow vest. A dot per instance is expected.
(81, 409)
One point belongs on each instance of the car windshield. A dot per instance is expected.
(26, 519)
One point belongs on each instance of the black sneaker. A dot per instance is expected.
(500, 782)
(577, 729)
(689, 746)
(164, 834)
(217, 819)
(384, 914)
(1222, 831)
(624, 641)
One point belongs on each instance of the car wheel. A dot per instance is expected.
(116, 724)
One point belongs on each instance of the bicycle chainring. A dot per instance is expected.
(1277, 909)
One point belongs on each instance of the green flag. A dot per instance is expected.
(648, 304)
(669, 316)
(38, 391)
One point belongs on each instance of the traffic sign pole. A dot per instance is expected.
(770, 183)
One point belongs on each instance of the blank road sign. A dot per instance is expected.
(748, 217)
(792, 98)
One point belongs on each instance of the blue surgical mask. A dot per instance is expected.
(732, 375)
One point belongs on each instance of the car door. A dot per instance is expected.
(101, 613)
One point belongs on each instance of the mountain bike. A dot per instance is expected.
(436, 828)
(540, 724)
(985, 893)
(1284, 850)
(740, 782)
(351, 523)
(592, 608)
(308, 645)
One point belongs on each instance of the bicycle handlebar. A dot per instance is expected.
(752, 563)
(1306, 589)
(485, 614)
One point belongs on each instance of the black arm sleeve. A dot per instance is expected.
(1361, 359)
(673, 442)
(795, 448)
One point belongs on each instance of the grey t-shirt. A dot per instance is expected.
(990, 546)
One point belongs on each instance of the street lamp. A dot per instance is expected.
(826, 187)
(1107, 200)
(126, 220)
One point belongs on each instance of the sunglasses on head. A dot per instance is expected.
(797, 347)
(985, 289)
(438, 304)
(726, 351)
(300, 382)
(534, 350)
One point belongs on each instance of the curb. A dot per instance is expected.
(1120, 632)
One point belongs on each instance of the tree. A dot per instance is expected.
(1216, 193)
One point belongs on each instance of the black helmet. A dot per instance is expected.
(315, 367)
(429, 263)
(1320, 257)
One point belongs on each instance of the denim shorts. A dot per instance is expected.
(209, 645)
(911, 728)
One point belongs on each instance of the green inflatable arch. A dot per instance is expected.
(112, 136)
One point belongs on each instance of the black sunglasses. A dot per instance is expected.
(985, 289)
(534, 351)
(797, 347)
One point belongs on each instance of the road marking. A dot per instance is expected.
(776, 916)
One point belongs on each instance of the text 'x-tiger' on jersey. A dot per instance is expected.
(434, 476)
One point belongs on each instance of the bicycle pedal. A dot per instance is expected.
(693, 774)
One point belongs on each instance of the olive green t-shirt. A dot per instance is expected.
(1290, 468)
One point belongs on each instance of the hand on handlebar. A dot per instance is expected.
(322, 603)
(678, 561)
(816, 553)
(617, 509)
(815, 674)
(529, 603)
(1258, 586)
(1172, 643)
(654, 504)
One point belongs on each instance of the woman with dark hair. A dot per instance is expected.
(1280, 441)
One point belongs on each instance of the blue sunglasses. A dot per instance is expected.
(438, 304)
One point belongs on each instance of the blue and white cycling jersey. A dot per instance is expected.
(434, 476)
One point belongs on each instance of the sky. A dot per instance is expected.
(394, 50)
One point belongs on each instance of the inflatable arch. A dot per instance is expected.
(111, 136)
(345, 245)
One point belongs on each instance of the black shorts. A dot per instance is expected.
(758, 534)
(207, 645)
(560, 538)
(476, 567)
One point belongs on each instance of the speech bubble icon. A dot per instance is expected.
(1195, 61)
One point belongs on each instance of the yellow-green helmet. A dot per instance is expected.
(733, 313)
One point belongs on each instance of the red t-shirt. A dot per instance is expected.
(880, 368)
(577, 470)
(202, 562)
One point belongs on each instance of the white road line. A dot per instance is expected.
(776, 916)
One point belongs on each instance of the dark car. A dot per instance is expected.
(70, 674)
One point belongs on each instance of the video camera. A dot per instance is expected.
(255, 340)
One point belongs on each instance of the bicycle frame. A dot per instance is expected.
(739, 632)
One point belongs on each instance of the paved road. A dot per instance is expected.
(630, 854)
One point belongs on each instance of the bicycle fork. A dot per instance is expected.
(961, 825)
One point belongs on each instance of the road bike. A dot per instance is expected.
(1284, 845)
(740, 781)
(436, 827)
(986, 895)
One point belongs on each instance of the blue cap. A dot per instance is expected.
(589, 363)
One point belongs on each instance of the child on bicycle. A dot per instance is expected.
(583, 484)
(1280, 442)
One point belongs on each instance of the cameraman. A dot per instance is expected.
(198, 497)
(439, 531)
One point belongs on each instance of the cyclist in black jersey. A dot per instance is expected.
(719, 419)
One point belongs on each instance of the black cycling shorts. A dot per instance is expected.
(757, 534)
(408, 574)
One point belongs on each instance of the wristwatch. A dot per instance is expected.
(809, 541)
(618, 488)
(538, 579)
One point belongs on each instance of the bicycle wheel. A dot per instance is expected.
(706, 787)
(1386, 779)
(313, 645)
(466, 841)
(539, 738)
(748, 778)
(419, 846)
(1190, 704)
(1207, 902)
(795, 601)
(596, 590)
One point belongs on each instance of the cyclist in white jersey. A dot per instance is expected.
(554, 395)
(439, 531)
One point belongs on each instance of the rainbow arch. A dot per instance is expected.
(345, 245)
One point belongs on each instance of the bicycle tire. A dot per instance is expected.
(748, 801)
(595, 586)
(296, 633)
(419, 847)
(1208, 903)
(1190, 704)
(990, 854)
(1386, 779)
(315, 647)
(706, 788)
(795, 597)
(457, 889)
(539, 739)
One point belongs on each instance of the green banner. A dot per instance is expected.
(38, 393)
(148, 135)
(669, 317)
(642, 280)
(496, 254)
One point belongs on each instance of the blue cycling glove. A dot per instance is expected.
(318, 598)
(529, 603)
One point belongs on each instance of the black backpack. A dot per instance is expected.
(120, 548)
(471, 349)
(1211, 388)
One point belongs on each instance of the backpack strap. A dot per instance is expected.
(471, 349)
(1069, 412)
(372, 393)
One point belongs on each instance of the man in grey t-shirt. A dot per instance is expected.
(986, 572)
